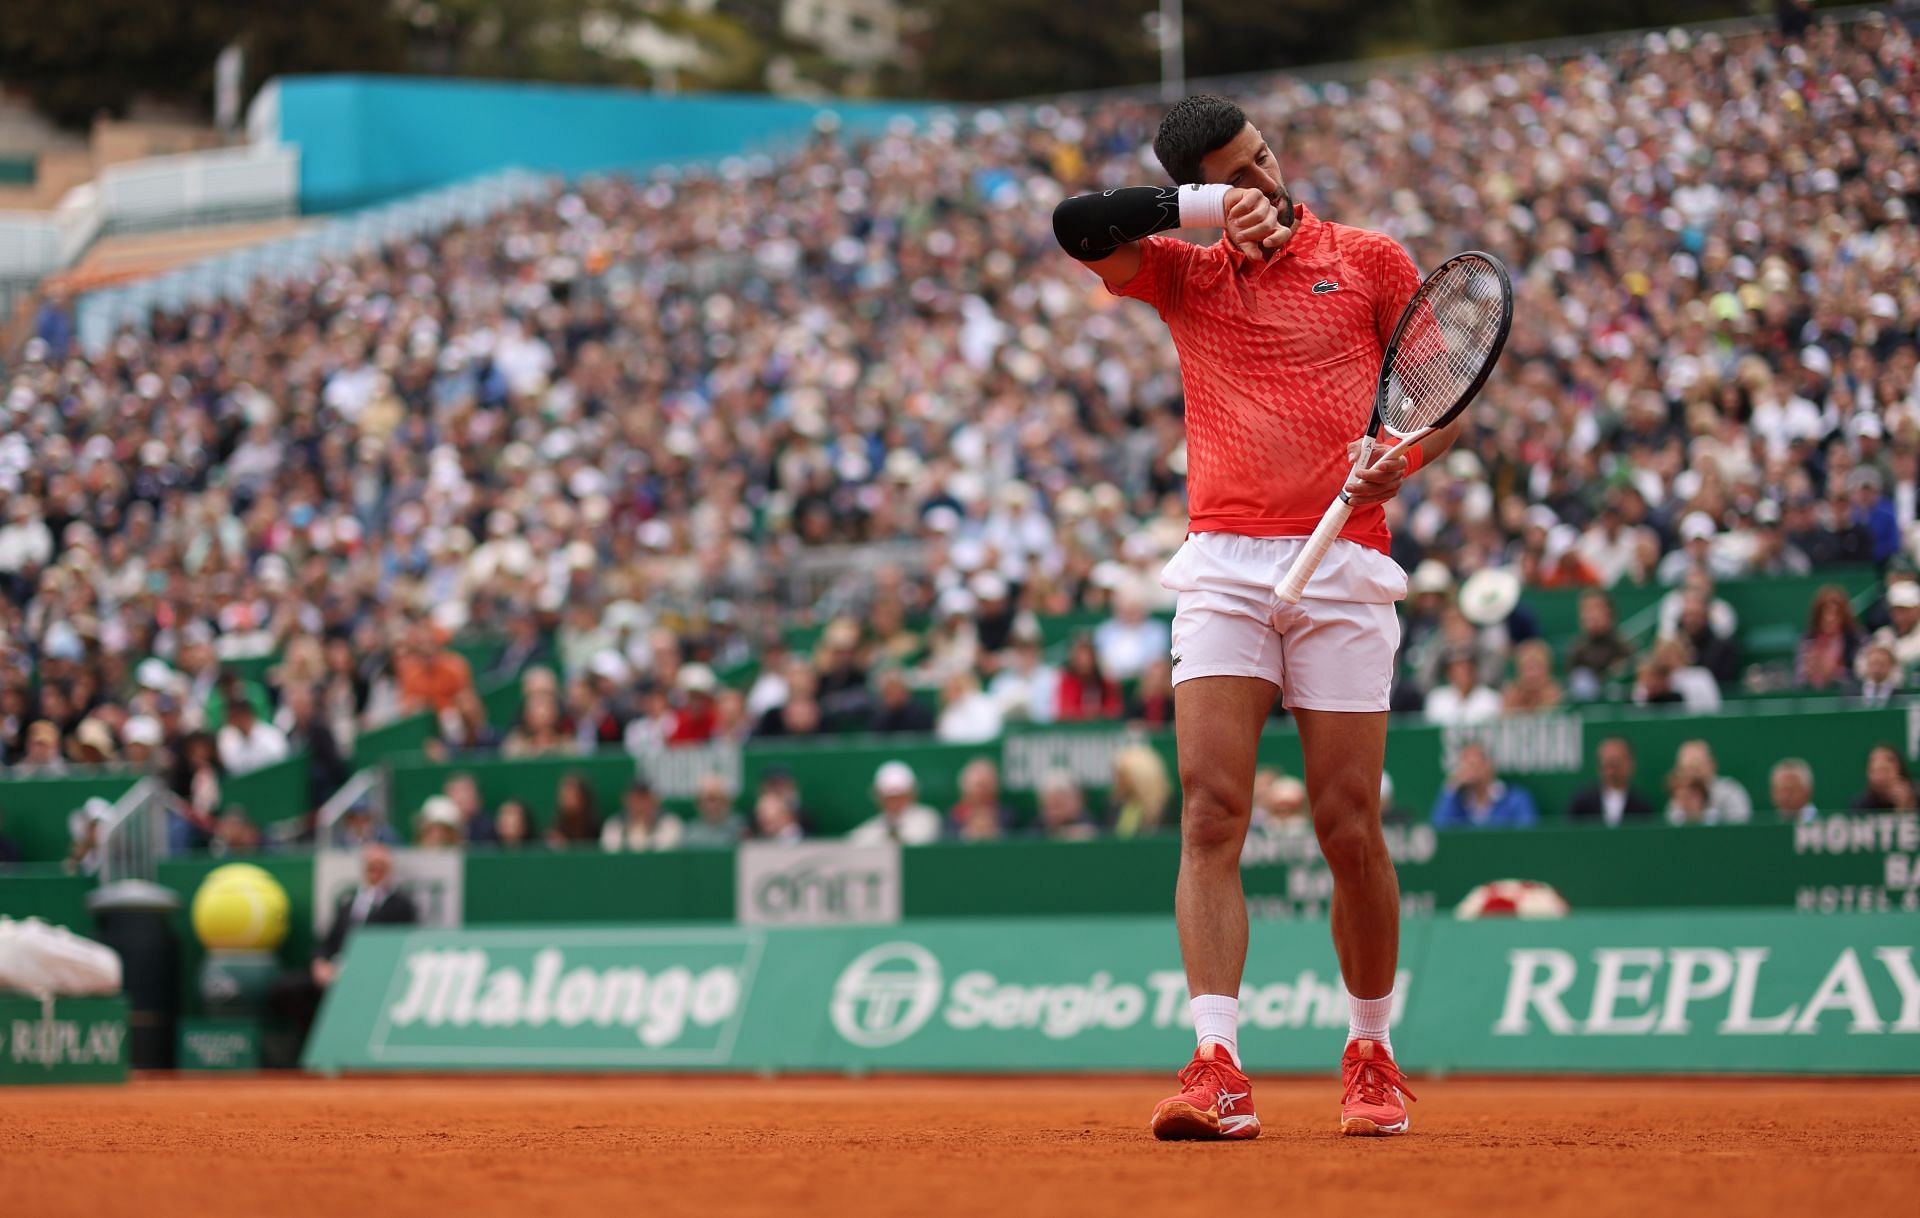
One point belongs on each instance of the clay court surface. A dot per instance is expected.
(566, 1148)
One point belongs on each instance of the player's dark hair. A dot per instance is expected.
(1196, 126)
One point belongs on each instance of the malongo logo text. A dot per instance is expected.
(462, 988)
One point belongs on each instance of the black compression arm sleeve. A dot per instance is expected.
(1090, 227)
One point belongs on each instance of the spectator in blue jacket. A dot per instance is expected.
(1477, 799)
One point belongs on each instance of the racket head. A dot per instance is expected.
(1445, 345)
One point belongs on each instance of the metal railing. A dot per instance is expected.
(369, 790)
(231, 276)
(133, 834)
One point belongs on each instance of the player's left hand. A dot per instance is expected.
(1376, 483)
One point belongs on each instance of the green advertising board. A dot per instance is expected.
(1598, 993)
(66, 1040)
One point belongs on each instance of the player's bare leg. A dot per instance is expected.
(1219, 722)
(1345, 753)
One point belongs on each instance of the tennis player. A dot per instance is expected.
(1281, 327)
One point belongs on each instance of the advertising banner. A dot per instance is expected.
(65, 1040)
(816, 883)
(1623, 993)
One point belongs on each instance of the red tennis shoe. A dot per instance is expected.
(1372, 1106)
(1215, 1101)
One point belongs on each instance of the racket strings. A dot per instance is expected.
(1445, 346)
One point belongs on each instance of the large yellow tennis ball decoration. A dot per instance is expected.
(240, 907)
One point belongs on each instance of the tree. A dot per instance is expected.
(78, 60)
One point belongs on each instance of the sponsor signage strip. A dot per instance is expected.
(1753, 992)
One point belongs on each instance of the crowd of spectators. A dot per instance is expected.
(641, 426)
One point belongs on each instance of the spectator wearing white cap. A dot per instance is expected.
(1698, 552)
(440, 825)
(1902, 637)
(902, 817)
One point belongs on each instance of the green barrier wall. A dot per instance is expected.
(1552, 756)
(1627, 993)
(1845, 864)
(44, 891)
(34, 811)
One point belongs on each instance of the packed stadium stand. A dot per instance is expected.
(726, 460)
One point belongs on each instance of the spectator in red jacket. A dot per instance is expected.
(1085, 691)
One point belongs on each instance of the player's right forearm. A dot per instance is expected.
(1094, 227)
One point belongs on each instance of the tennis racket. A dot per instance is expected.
(1443, 347)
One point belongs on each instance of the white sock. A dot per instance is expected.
(1367, 1019)
(1216, 1019)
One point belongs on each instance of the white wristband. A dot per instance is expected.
(1203, 206)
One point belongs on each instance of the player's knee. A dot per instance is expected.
(1211, 819)
(1347, 821)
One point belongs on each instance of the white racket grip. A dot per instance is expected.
(1291, 588)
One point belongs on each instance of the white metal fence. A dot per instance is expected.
(223, 186)
(232, 275)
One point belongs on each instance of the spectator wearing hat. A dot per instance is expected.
(1462, 700)
(1790, 785)
(85, 828)
(1902, 635)
(993, 612)
(902, 817)
(895, 711)
(42, 758)
(694, 713)
(1697, 552)
(641, 825)
(92, 743)
(1476, 798)
(247, 742)
(1429, 595)
(1612, 801)
(715, 824)
(440, 827)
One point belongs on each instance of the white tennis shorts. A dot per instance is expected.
(1333, 651)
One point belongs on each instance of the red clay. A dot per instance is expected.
(589, 1148)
